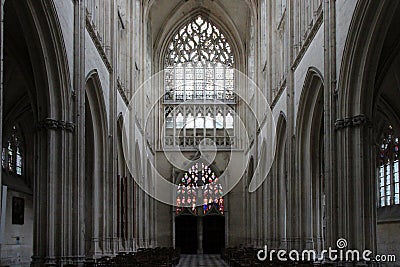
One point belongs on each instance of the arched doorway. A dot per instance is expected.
(199, 220)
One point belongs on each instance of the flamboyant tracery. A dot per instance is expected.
(199, 187)
(199, 73)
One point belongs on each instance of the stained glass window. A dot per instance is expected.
(3, 158)
(18, 161)
(199, 64)
(199, 70)
(388, 169)
(12, 156)
(199, 41)
(199, 187)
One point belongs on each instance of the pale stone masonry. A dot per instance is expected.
(329, 72)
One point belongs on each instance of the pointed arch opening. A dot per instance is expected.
(95, 162)
(35, 97)
(310, 147)
(198, 64)
(281, 165)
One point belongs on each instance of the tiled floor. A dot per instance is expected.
(201, 261)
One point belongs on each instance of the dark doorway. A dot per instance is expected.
(186, 234)
(213, 234)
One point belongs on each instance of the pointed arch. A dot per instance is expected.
(47, 52)
(250, 3)
(125, 203)
(96, 162)
(281, 163)
(370, 52)
(97, 106)
(310, 158)
(359, 65)
(34, 45)
(176, 22)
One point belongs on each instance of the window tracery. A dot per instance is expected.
(388, 169)
(199, 73)
(199, 186)
(12, 154)
(199, 41)
(188, 125)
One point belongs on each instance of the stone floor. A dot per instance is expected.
(204, 260)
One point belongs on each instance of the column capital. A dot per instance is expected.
(354, 121)
(53, 124)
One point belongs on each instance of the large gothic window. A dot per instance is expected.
(199, 186)
(388, 169)
(12, 154)
(199, 73)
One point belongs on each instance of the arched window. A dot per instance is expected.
(199, 186)
(199, 70)
(388, 169)
(12, 154)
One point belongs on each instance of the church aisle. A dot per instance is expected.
(205, 260)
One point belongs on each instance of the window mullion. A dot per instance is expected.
(388, 183)
(194, 123)
(184, 82)
(185, 122)
(224, 78)
(224, 124)
(214, 84)
(392, 178)
(174, 127)
(204, 119)
(394, 182)
(391, 169)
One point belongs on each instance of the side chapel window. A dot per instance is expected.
(12, 154)
(388, 169)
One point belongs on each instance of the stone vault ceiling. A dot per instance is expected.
(161, 11)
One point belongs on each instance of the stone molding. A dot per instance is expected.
(122, 92)
(91, 28)
(52, 124)
(358, 120)
(310, 37)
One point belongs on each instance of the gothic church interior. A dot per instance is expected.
(104, 102)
